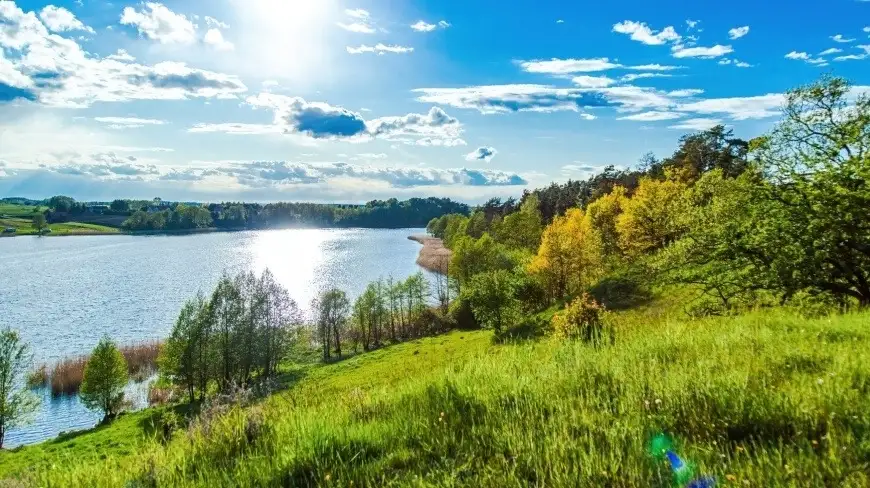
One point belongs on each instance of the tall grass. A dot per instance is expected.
(762, 400)
(66, 376)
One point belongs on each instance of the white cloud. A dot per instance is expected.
(79, 79)
(10, 75)
(640, 32)
(560, 21)
(637, 76)
(586, 116)
(692, 23)
(856, 57)
(688, 92)
(832, 50)
(213, 22)
(738, 108)
(738, 32)
(483, 153)
(128, 122)
(802, 56)
(121, 55)
(701, 52)
(357, 13)
(653, 116)
(653, 67)
(840, 38)
(493, 99)
(422, 26)
(215, 38)
(358, 27)
(317, 120)
(592, 81)
(557, 66)
(379, 49)
(59, 19)
(696, 124)
(158, 23)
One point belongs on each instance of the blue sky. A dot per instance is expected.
(348, 101)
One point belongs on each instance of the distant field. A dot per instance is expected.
(25, 227)
(11, 210)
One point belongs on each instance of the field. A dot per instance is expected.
(20, 211)
(765, 399)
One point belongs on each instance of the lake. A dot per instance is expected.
(64, 293)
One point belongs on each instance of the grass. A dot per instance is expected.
(21, 211)
(24, 226)
(764, 399)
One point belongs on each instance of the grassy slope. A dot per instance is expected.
(765, 399)
(25, 227)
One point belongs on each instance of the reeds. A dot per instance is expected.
(38, 377)
(433, 256)
(66, 376)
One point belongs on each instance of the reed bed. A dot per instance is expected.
(433, 256)
(66, 376)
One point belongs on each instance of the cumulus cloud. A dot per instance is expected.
(59, 19)
(641, 32)
(829, 51)
(716, 51)
(592, 81)
(483, 153)
(557, 66)
(379, 49)
(105, 165)
(856, 57)
(840, 38)
(318, 120)
(654, 67)
(213, 22)
(361, 23)
(70, 77)
(157, 22)
(215, 38)
(738, 32)
(802, 56)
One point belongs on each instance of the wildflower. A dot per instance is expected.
(658, 401)
(730, 477)
(740, 448)
(327, 477)
(820, 381)
(815, 442)
(646, 403)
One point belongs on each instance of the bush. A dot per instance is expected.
(584, 319)
(461, 315)
(620, 292)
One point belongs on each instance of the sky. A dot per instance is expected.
(349, 101)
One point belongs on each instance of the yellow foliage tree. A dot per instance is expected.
(570, 256)
(603, 214)
(651, 217)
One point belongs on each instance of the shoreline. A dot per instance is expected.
(433, 255)
(208, 230)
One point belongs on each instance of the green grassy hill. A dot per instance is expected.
(765, 399)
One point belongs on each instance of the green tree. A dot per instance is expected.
(522, 230)
(472, 256)
(61, 203)
(491, 296)
(104, 380)
(181, 357)
(817, 160)
(16, 403)
(38, 222)
(332, 308)
(120, 206)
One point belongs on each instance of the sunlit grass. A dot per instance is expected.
(766, 399)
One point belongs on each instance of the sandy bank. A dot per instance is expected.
(433, 256)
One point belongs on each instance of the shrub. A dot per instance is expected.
(461, 315)
(620, 292)
(584, 319)
(38, 377)
(104, 380)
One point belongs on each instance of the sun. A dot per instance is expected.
(291, 39)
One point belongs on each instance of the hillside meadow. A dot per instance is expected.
(763, 399)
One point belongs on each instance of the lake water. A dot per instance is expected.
(64, 293)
